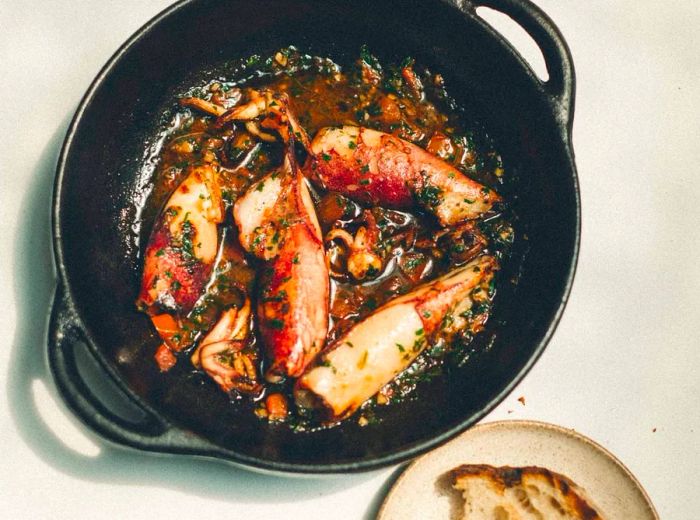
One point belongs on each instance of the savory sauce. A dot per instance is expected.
(375, 253)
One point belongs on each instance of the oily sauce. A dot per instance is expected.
(402, 99)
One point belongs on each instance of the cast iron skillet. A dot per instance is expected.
(101, 183)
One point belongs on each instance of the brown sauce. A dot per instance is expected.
(401, 99)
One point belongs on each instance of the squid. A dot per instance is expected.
(220, 354)
(277, 223)
(277, 116)
(179, 257)
(376, 350)
(376, 168)
(363, 258)
(183, 245)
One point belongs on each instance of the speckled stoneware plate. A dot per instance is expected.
(424, 490)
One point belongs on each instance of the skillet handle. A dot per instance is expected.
(148, 433)
(560, 87)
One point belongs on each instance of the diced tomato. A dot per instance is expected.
(166, 326)
(165, 358)
(276, 405)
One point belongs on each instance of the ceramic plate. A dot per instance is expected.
(424, 491)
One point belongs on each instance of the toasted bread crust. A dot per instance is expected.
(575, 505)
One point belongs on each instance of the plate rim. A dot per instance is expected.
(518, 424)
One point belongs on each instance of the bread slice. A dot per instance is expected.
(527, 493)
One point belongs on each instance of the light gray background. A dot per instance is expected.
(622, 367)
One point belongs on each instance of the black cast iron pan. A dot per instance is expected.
(101, 184)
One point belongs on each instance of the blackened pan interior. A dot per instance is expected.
(100, 191)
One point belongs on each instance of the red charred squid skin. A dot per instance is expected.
(277, 326)
(185, 279)
(292, 307)
(388, 185)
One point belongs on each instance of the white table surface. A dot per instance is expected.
(623, 367)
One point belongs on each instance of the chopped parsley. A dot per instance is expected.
(276, 324)
(429, 195)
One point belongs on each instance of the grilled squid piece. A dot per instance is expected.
(220, 354)
(220, 101)
(277, 223)
(179, 257)
(183, 245)
(363, 257)
(276, 115)
(385, 343)
(203, 105)
(379, 169)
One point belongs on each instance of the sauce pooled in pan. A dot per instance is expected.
(323, 237)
